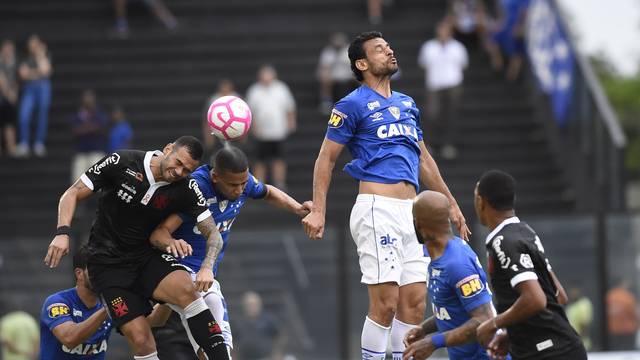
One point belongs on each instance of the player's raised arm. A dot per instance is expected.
(162, 239)
(322, 171)
(209, 230)
(281, 199)
(66, 208)
(430, 176)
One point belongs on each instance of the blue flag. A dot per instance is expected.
(551, 56)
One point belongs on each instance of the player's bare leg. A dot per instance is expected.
(177, 288)
(383, 302)
(140, 339)
(410, 313)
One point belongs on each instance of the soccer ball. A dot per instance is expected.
(229, 118)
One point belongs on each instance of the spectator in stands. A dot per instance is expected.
(274, 118)
(36, 96)
(334, 72)
(509, 38)
(225, 88)
(157, 7)
(8, 96)
(374, 10)
(256, 332)
(622, 316)
(89, 129)
(469, 19)
(19, 336)
(121, 134)
(444, 60)
(580, 315)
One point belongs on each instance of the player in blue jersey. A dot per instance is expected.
(74, 323)
(226, 184)
(457, 287)
(381, 129)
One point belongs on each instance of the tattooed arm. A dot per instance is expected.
(461, 335)
(66, 208)
(209, 230)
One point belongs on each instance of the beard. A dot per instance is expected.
(385, 70)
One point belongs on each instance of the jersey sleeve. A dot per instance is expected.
(343, 123)
(255, 188)
(55, 311)
(102, 173)
(513, 258)
(195, 204)
(470, 286)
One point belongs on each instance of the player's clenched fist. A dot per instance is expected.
(314, 225)
(413, 335)
(57, 249)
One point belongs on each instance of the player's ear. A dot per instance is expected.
(362, 65)
(78, 273)
(168, 148)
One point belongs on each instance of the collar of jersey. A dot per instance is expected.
(511, 220)
(378, 94)
(147, 167)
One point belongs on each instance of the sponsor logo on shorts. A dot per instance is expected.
(387, 240)
(470, 286)
(57, 309)
(119, 307)
(111, 160)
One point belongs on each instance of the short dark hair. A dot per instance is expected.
(193, 146)
(81, 257)
(498, 188)
(230, 159)
(356, 50)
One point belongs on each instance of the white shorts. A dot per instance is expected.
(216, 303)
(389, 251)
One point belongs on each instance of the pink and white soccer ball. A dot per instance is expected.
(229, 118)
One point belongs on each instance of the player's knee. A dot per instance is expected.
(383, 310)
(142, 342)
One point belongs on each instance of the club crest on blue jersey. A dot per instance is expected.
(395, 112)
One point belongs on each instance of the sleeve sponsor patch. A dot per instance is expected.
(336, 119)
(57, 309)
(470, 286)
(525, 261)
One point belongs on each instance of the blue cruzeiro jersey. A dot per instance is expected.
(224, 212)
(457, 286)
(381, 134)
(66, 306)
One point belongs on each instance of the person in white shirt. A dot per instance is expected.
(274, 118)
(444, 60)
(334, 72)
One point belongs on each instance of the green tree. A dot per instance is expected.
(624, 95)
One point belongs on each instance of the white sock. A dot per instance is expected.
(374, 340)
(152, 356)
(195, 308)
(398, 331)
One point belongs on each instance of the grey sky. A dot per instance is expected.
(611, 27)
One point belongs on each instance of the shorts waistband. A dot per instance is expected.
(373, 197)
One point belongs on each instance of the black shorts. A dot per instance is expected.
(269, 150)
(8, 114)
(127, 288)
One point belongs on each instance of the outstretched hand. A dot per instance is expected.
(459, 221)
(179, 248)
(57, 249)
